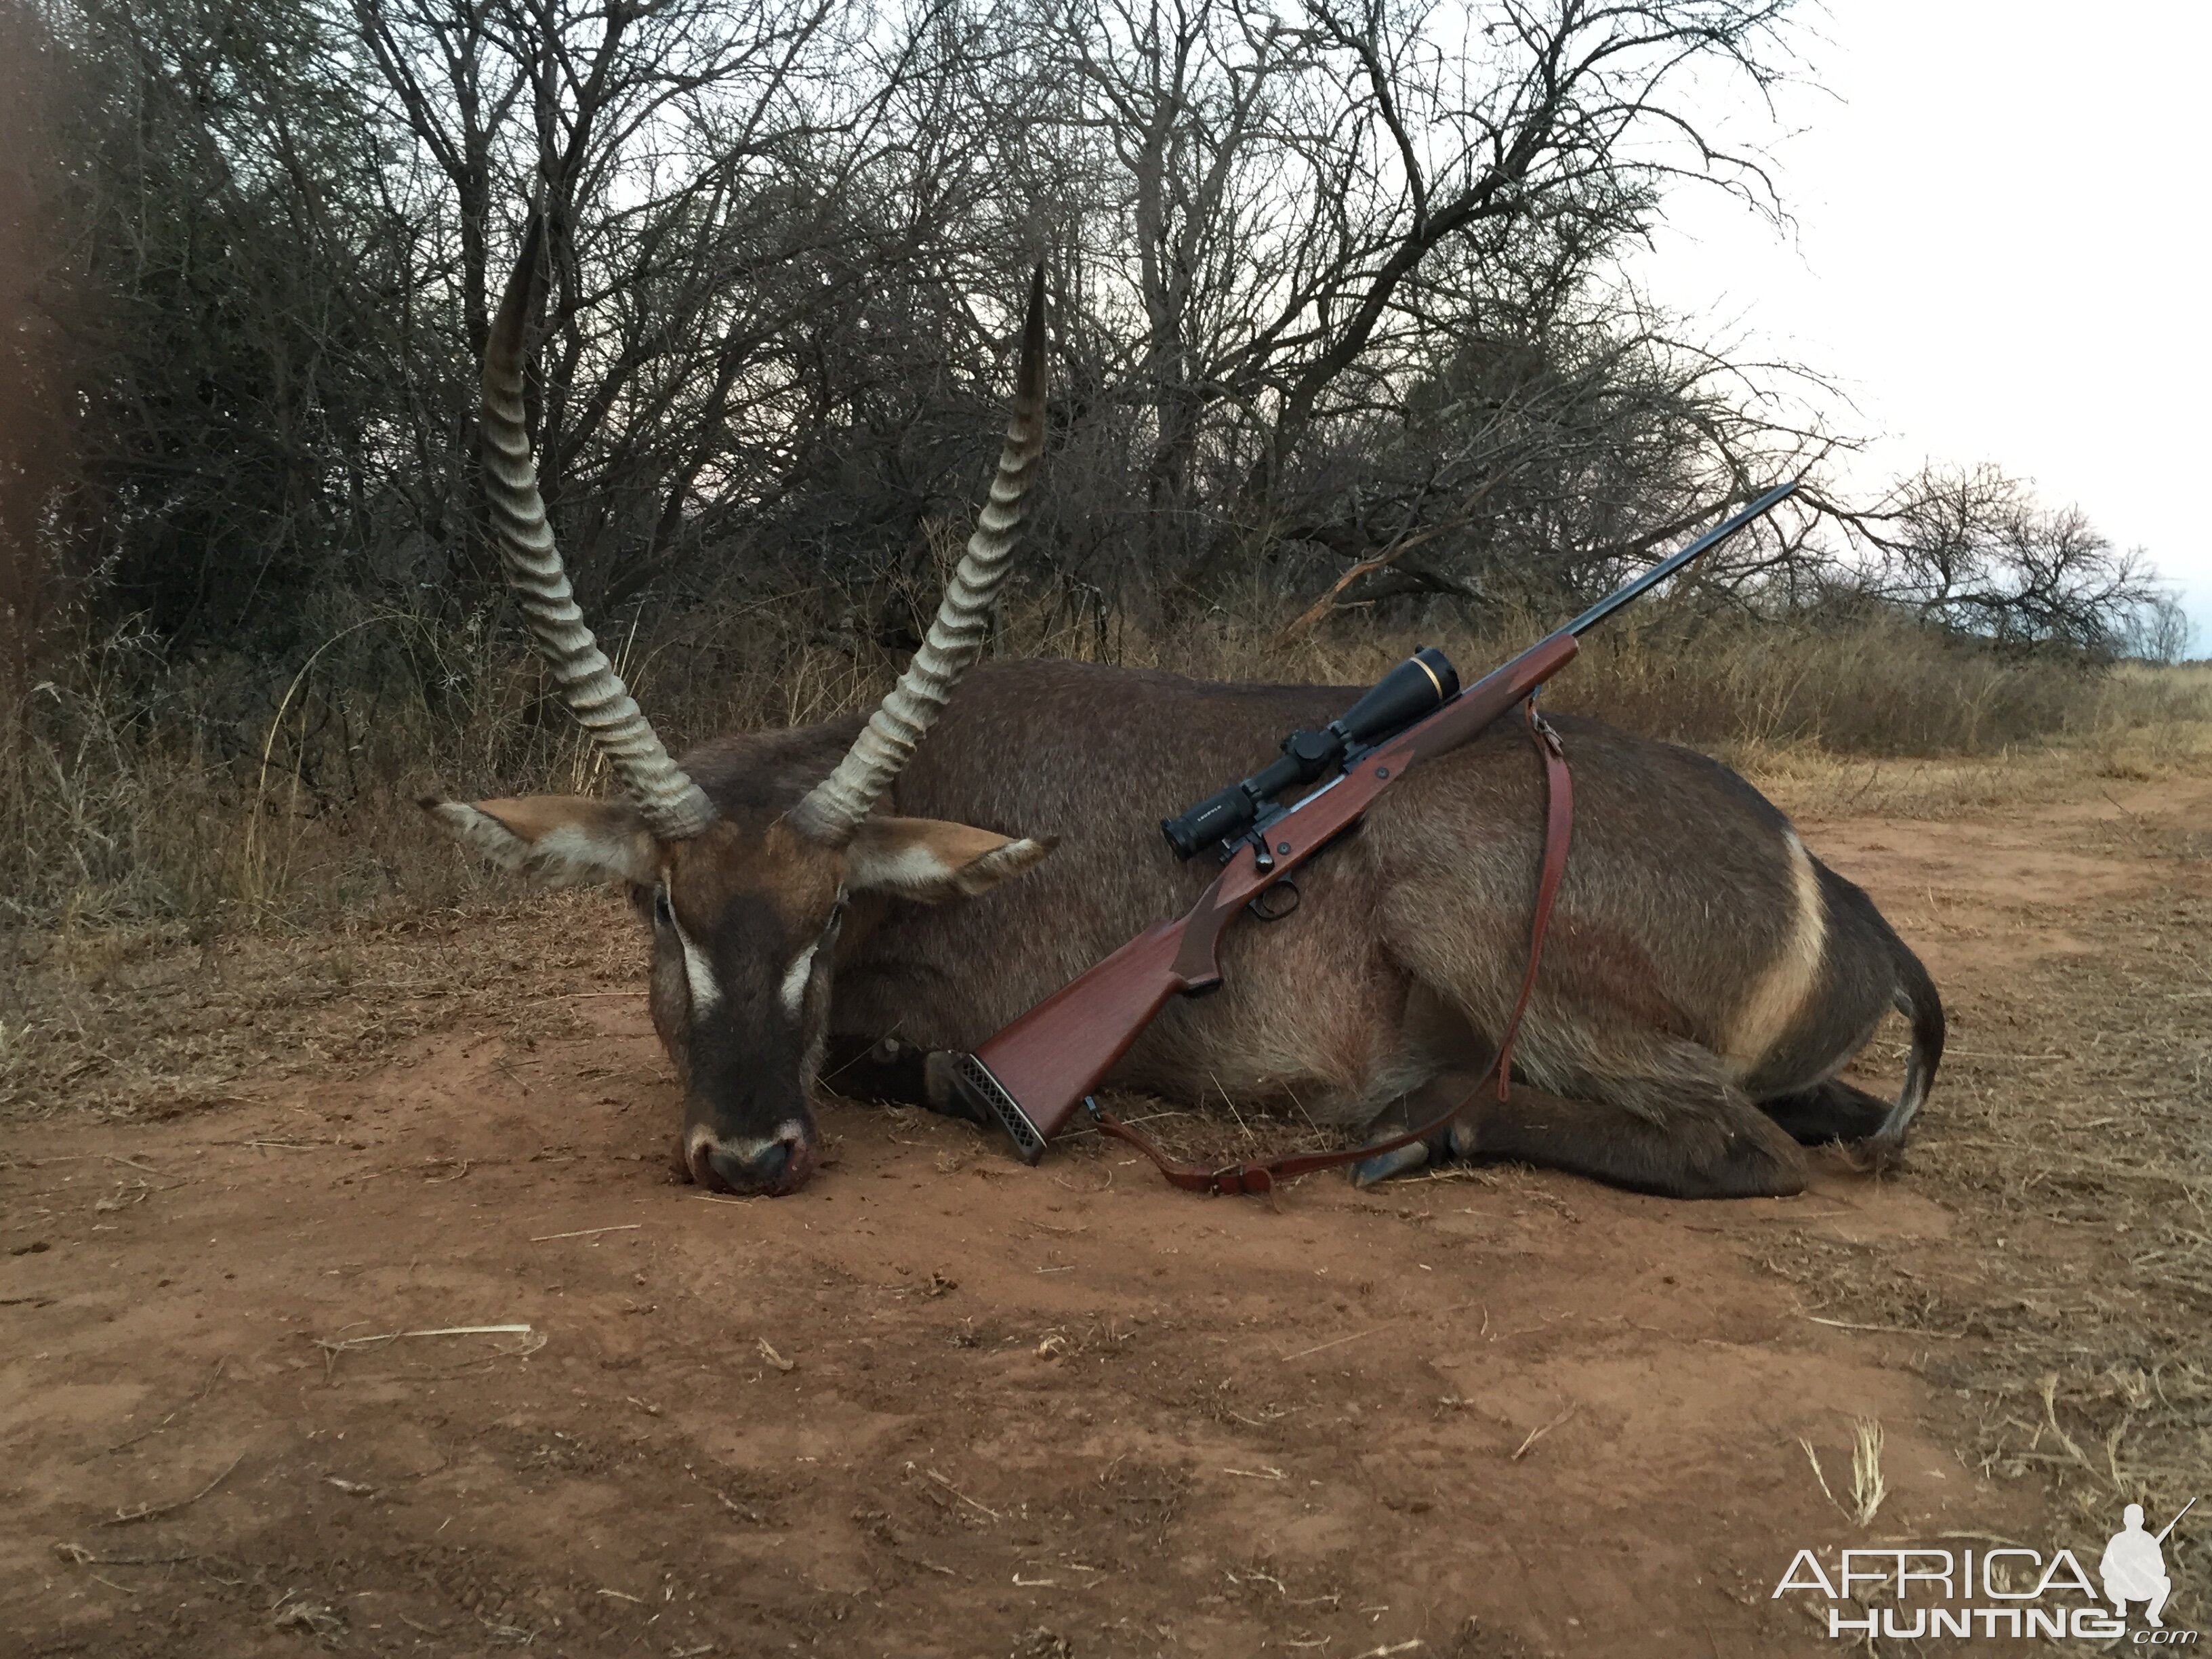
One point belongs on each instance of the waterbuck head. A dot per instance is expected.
(744, 897)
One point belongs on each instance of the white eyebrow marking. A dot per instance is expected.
(796, 976)
(698, 972)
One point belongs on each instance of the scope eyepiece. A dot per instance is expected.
(1422, 682)
(1216, 818)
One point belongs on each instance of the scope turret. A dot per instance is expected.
(1414, 688)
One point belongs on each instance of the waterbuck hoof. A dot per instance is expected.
(1383, 1166)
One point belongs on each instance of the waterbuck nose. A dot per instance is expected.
(779, 1164)
(764, 1168)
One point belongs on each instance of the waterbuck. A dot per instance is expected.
(856, 884)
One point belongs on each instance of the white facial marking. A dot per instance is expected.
(697, 1144)
(795, 978)
(698, 972)
(702, 1140)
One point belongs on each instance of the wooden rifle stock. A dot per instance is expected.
(1032, 1075)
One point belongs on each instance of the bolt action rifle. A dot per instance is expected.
(1031, 1077)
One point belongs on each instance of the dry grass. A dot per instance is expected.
(218, 798)
(125, 1022)
(1812, 783)
(1868, 1488)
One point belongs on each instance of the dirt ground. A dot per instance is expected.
(408, 1344)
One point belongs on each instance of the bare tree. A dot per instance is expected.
(1338, 310)
(692, 161)
(2160, 631)
(1972, 549)
(35, 358)
(1302, 219)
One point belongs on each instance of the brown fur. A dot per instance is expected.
(1699, 961)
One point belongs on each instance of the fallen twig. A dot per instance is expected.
(1336, 1342)
(148, 1511)
(962, 1496)
(332, 1349)
(2049, 1391)
(159, 1175)
(443, 1330)
(1819, 1474)
(205, 1389)
(78, 1555)
(589, 1232)
(1535, 1435)
(1894, 1330)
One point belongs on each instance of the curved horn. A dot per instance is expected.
(834, 808)
(674, 807)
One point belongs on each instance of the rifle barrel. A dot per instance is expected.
(2176, 1521)
(1673, 562)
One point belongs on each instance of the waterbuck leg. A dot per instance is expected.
(1828, 1111)
(885, 1070)
(1394, 1122)
(1717, 1146)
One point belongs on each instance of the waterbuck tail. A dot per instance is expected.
(1916, 999)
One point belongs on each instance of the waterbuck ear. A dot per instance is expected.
(930, 861)
(567, 839)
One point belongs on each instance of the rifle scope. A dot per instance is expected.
(1416, 686)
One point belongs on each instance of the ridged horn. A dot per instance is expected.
(675, 808)
(834, 808)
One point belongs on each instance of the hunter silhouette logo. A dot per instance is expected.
(2134, 1567)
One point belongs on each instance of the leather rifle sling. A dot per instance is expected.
(1260, 1177)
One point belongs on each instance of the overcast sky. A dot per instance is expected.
(2001, 252)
